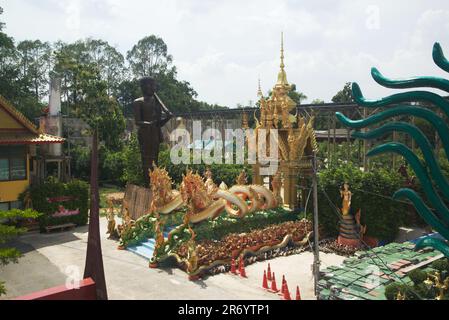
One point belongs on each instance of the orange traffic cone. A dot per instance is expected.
(233, 267)
(265, 281)
(269, 272)
(283, 285)
(242, 268)
(286, 292)
(298, 293)
(274, 287)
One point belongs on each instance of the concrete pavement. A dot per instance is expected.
(52, 259)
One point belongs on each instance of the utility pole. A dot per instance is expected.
(316, 262)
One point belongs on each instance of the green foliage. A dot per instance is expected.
(80, 162)
(345, 95)
(208, 230)
(221, 172)
(145, 228)
(9, 231)
(35, 64)
(132, 172)
(224, 225)
(372, 193)
(296, 96)
(441, 265)
(318, 101)
(419, 290)
(417, 276)
(112, 165)
(392, 290)
(149, 57)
(52, 188)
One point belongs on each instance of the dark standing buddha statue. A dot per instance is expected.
(151, 115)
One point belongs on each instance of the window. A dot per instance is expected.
(13, 165)
(18, 169)
(4, 169)
(16, 205)
(6, 206)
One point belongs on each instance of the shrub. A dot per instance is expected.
(418, 276)
(372, 193)
(78, 193)
(132, 172)
(392, 290)
(221, 172)
(441, 265)
(8, 231)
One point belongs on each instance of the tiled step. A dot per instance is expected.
(141, 251)
(149, 244)
(145, 249)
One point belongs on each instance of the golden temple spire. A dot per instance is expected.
(282, 77)
(259, 92)
(282, 51)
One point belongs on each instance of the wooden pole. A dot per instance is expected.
(329, 120)
(94, 258)
(316, 262)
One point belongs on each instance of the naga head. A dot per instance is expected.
(161, 185)
(194, 192)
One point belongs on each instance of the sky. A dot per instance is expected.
(223, 47)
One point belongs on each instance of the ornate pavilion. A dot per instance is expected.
(296, 139)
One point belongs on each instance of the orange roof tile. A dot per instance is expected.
(20, 138)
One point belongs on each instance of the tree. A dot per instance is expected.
(94, 104)
(149, 57)
(13, 86)
(35, 64)
(318, 101)
(2, 24)
(9, 231)
(100, 111)
(296, 96)
(127, 92)
(345, 95)
(109, 61)
(70, 60)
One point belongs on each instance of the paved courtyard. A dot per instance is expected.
(50, 259)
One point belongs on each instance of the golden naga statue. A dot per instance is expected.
(276, 185)
(110, 216)
(242, 179)
(128, 222)
(159, 234)
(203, 205)
(298, 142)
(346, 195)
(165, 199)
(211, 187)
(194, 193)
(192, 256)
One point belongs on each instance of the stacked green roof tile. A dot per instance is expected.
(365, 276)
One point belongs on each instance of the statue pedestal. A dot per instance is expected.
(349, 232)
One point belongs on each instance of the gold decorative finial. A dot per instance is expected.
(259, 92)
(282, 77)
(282, 51)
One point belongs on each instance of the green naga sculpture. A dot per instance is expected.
(434, 183)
